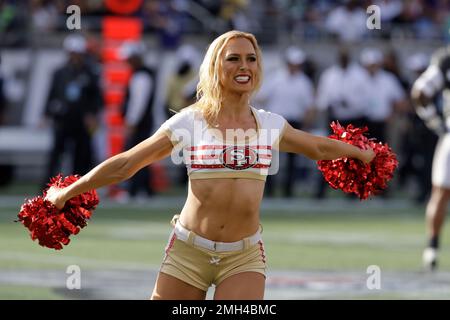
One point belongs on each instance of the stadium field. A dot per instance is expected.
(315, 250)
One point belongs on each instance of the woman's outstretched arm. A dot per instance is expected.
(320, 148)
(115, 169)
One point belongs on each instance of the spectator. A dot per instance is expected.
(137, 110)
(384, 98)
(390, 9)
(44, 15)
(340, 91)
(73, 104)
(347, 22)
(399, 121)
(235, 15)
(12, 23)
(166, 20)
(383, 93)
(340, 94)
(290, 93)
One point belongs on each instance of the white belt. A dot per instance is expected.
(188, 236)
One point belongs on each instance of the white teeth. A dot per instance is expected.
(242, 78)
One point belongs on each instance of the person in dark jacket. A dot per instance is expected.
(73, 104)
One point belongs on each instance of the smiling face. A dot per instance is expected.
(239, 66)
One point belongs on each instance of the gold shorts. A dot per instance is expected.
(201, 262)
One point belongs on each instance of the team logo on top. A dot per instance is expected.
(239, 158)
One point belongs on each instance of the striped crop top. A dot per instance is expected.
(208, 153)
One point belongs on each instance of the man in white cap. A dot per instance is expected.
(340, 96)
(290, 93)
(137, 109)
(340, 90)
(384, 94)
(431, 83)
(73, 105)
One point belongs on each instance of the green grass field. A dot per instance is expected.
(333, 239)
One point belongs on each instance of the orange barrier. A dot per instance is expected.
(123, 6)
(113, 97)
(116, 74)
(120, 28)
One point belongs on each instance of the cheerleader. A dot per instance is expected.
(229, 148)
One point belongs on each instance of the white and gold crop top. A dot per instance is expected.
(208, 153)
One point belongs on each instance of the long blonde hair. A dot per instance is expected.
(209, 89)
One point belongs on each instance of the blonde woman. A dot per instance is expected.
(228, 147)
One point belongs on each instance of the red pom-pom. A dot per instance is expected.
(53, 227)
(352, 175)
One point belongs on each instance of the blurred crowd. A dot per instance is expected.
(172, 19)
(370, 88)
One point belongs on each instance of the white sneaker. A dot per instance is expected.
(429, 259)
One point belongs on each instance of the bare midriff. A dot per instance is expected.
(224, 210)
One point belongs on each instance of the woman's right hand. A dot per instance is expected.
(56, 196)
(367, 155)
